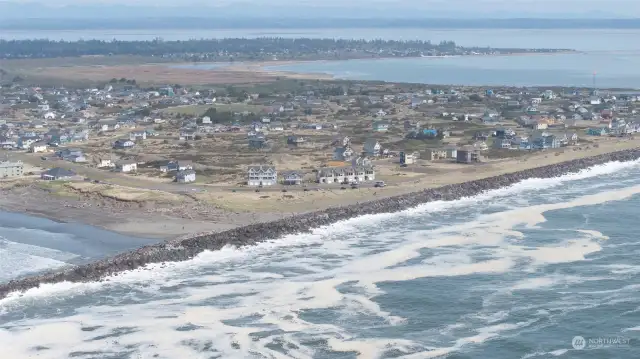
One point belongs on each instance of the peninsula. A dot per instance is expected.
(249, 49)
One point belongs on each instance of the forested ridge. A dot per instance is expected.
(241, 48)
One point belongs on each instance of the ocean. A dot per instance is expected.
(546, 268)
(30, 244)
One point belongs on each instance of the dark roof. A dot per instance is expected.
(58, 172)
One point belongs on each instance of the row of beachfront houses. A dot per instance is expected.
(262, 175)
(538, 141)
(618, 127)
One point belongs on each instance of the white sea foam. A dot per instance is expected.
(312, 273)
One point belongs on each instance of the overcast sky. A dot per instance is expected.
(466, 8)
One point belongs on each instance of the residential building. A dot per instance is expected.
(407, 158)
(257, 142)
(38, 147)
(187, 135)
(10, 169)
(105, 163)
(433, 154)
(372, 147)
(295, 140)
(597, 131)
(468, 154)
(262, 175)
(57, 174)
(168, 166)
(138, 135)
(276, 126)
(381, 126)
(186, 176)
(123, 143)
(345, 174)
(184, 165)
(292, 178)
(126, 166)
(544, 141)
(343, 154)
(502, 143)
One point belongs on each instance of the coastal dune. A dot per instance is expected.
(185, 249)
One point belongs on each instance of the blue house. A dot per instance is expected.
(597, 132)
(429, 132)
(545, 142)
(381, 126)
(524, 145)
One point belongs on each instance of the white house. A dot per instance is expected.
(123, 143)
(138, 135)
(347, 174)
(126, 166)
(38, 147)
(49, 116)
(105, 163)
(186, 176)
(262, 175)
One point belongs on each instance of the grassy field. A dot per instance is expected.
(197, 110)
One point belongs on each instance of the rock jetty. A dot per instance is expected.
(185, 249)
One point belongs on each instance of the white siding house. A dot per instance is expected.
(262, 175)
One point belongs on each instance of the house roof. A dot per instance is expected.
(58, 172)
(292, 173)
(125, 162)
(263, 168)
(371, 142)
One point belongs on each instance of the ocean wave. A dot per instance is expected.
(305, 295)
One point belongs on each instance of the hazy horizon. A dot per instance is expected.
(455, 9)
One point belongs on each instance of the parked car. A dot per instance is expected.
(379, 184)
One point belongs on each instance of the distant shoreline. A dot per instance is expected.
(267, 67)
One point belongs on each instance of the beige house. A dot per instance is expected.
(432, 154)
(38, 147)
(126, 166)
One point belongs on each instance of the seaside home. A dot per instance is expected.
(292, 178)
(346, 174)
(186, 176)
(11, 169)
(38, 147)
(407, 158)
(372, 147)
(262, 175)
(123, 143)
(468, 154)
(126, 166)
(381, 126)
(343, 154)
(138, 135)
(57, 174)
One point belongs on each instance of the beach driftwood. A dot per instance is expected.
(187, 248)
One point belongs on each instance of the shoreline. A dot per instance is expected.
(182, 249)
(265, 67)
